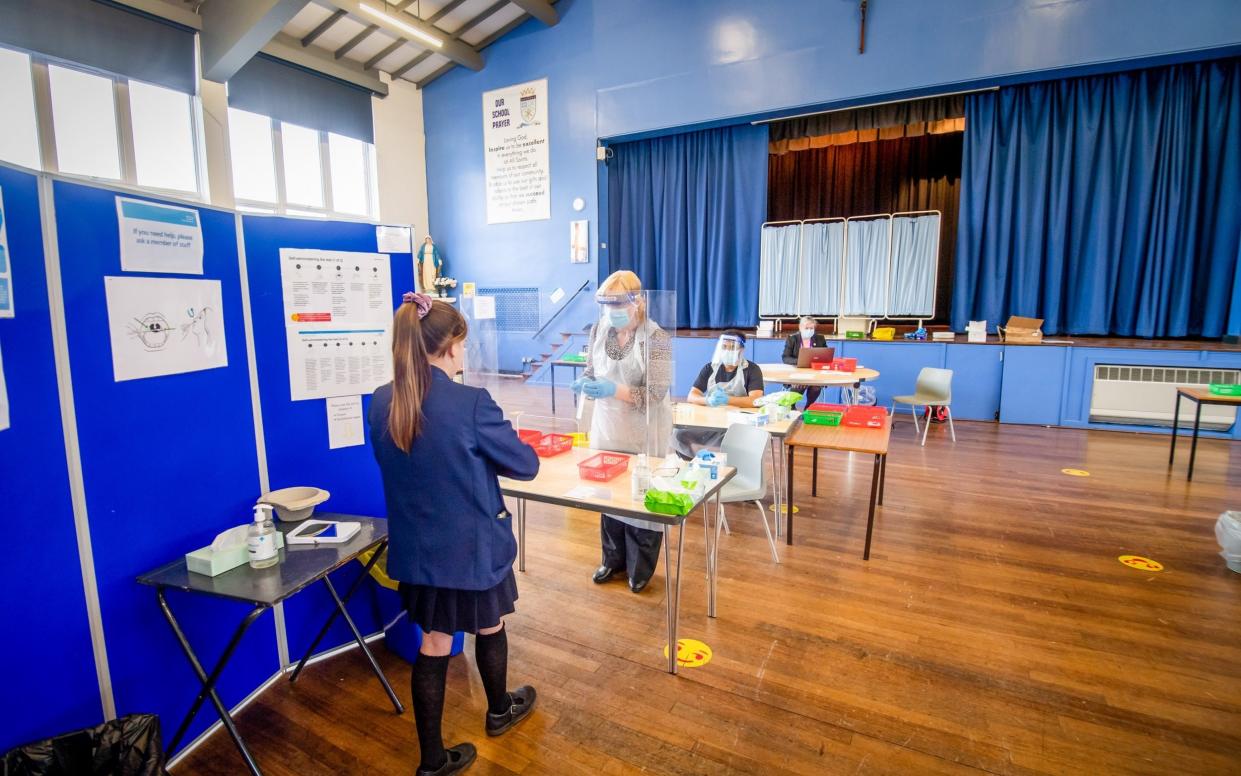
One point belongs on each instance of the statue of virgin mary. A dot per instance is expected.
(430, 266)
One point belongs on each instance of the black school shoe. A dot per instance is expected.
(460, 757)
(521, 703)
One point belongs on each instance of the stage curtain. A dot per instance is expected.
(684, 213)
(1104, 205)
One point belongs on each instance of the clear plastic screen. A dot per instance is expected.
(482, 361)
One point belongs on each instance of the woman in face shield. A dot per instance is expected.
(730, 379)
(628, 375)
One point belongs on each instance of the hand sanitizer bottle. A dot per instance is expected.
(640, 479)
(261, 539)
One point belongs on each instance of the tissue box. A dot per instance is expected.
(207, 561)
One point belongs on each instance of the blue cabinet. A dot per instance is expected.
(1033, 386)
(976, 374)
(898, 363)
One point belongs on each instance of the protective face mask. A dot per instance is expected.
(807, 333)
(730, 357)
(618, 318)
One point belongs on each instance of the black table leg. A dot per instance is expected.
(357, 635)
(788, 497)
(209, 681)
(332, 617)
(883, 477)
(553, 368)
(814, 472)
(1193, 445)
(1176, 417)
(870, 518)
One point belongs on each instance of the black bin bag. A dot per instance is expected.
(129, 746)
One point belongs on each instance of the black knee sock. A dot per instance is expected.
(427, 686)
(491, 654)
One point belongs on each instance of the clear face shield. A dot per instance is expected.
(729, 352)
(620, 311)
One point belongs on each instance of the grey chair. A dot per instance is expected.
(934, 389)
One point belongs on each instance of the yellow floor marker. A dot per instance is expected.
(1075, 472)
(1140, 563)
(784, 509)
(691, 653)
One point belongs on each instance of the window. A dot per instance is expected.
(84, 114)
(254, 163)
(350, 175)
(303, 170)
(19, 138)
(164, 151)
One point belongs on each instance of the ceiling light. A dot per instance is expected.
(408, 29)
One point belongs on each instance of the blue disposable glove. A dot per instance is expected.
(599, 389)
(577, 385)
(717, 398)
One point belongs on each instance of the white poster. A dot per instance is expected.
(394, 239)
(4, 398)
(484, 308)
(518, 177)
(337, 312)
(579, 241)
(159, 238)
(164, 326)
(6, 267)
(344, 421)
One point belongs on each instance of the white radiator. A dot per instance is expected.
(1146, 395)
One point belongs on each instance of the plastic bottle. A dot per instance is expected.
(261, 539)
(640, 479)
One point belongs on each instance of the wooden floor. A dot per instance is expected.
(992, 630)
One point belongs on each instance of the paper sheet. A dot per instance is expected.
(589, 492)
(556, 295)
(164, 326)
(337, 313)
(344, 421)
(394, 239)
(6, 267)
(4, 398)
(484, 308)
(159, 238)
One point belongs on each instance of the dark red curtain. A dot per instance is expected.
(884, 176)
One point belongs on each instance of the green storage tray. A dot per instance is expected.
(1224, 389)
(821, 418)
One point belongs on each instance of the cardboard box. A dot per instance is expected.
(1022, 331)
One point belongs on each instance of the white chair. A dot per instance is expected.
(745, 447)
(933, 389)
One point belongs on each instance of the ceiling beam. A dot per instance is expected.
(290, 49)
(491, 10)
(167, 10)
(455, 50)
(352, 44)
(435, 74)
(235, 30)
(500, 33)
(447, 8)
(323, 27)
(410, 65)
(539, 9)
(382, 55)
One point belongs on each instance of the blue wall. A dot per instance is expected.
(632, 67)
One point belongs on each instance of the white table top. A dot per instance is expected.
(686, 415)
(791, 375)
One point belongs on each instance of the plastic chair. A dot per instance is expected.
(746, 447)
(934, 389)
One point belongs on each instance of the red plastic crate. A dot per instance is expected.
(844, 365)
(553, 444)
(865, 417)
(825, 407)
(820, 364)
(529, 436)
(603, 467)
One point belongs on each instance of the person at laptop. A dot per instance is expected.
(805, 337)
(729, 379)
(441, 447)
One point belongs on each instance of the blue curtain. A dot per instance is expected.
(780, 254)
(818, 281)
(866, 266)
(684, 213)
(1104, 205)
(915, 249)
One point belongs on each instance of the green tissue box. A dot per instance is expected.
(855, 335)
(574, 357)
(666, 502)
(821, 418)
(1224, 389)
(207, 561)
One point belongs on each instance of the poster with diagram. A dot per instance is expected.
(164, 326)
(337, 313)
(6, 267)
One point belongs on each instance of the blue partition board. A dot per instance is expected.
(168, 462)
(296, 431)
(898, 363)
(977, 371)
(690, 355)
(1034, 384)
(49, 672)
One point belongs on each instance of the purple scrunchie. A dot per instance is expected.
(421, 300)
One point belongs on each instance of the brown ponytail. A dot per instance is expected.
(414, 342)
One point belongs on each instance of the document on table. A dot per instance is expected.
(338, 313)
(344, 421)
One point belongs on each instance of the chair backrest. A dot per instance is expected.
(745, 447)
(935, 383)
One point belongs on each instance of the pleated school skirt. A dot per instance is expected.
(447, 610)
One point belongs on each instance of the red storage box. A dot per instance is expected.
(821, 364)
(529, 436)
(844, 365)
(603, 467)
(553, 444)
(865, 417)
(825, 407)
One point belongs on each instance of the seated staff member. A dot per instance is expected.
(441, 447)
(729, 379)
(804, 338)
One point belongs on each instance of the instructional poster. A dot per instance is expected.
(164, 326)
(518, 176)
(6, 267)
(344, 422)
(337, 313)
(159, 238)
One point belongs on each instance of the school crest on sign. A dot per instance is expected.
(529, 105)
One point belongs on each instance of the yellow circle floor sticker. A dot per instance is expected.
(784, 509)
(1140, 563)
(1075, 472)
(691, 653)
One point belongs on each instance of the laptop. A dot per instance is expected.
(807, 356)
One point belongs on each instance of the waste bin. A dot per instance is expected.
(1228, 534)
(129, 746)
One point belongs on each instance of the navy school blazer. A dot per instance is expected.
(447, 521)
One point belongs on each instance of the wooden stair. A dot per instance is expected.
(557, 350)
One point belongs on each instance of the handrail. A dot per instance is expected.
(556, 314)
